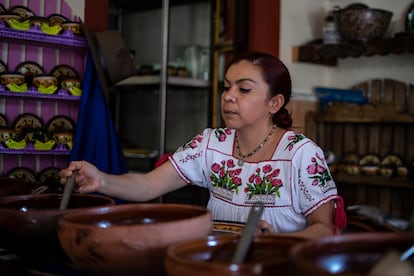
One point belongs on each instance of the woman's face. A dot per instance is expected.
(245, 100)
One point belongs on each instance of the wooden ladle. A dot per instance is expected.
(67, 191)
(248, 233)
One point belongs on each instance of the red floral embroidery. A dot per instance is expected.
(264, 181)
(222, 133)
(318, 172)
(293, 140)
(223, 175)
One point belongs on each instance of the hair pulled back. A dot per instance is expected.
(276, 75)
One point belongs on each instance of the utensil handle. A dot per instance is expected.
(248, 233)
(67, 191)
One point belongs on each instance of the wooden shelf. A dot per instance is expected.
(156, 80)
(331, 117)
(374, 180)
(328, 54)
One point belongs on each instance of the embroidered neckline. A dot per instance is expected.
(243, 156)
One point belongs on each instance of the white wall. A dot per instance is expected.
(189, 24)
(300, 26)
(78, 8)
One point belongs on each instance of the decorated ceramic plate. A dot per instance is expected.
(56, 19)
(29, 69)
(25, 174)
(222, 227)
(351, 158)
(25, 123)
(3, 120)
(23, 11)
(391, 160)
(370, 159)
(64, 71)
(3, 67)
(61, 123)
(49, 176)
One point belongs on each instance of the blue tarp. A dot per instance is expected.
(96, 138)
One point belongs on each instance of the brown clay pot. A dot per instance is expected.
(13, 186)
(129, 239)
(350, 254)
(28, 223)
(267, 255)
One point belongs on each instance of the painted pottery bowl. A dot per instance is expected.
(63, 136)
(7, 133)
(5, 16)
(12, 78)
(38, 20)
(72, 26)
(44, 80)
(267, 255)
(130, 238)
(72, 84)
(67, 83)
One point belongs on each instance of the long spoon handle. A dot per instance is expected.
(248, 233)
(67, 191)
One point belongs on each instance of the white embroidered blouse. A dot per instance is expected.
(292, 184)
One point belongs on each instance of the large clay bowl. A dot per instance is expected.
(13, 186)
(28, 223)
(130, 239)
(362, 24)
(267, 255)
(350, 254)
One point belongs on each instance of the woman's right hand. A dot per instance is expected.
(88, 179)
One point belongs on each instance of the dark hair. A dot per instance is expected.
(277, 76)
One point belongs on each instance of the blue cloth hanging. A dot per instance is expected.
(96, 139)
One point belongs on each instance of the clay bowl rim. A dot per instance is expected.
(301, 255)
(93, 216)
(174, 251)
(6, 200)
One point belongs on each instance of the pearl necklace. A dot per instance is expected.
(242, 157)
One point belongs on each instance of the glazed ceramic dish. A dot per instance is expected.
(12, 78)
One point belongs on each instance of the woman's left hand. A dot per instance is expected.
(263, 227)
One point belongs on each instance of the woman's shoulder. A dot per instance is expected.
(293, 142)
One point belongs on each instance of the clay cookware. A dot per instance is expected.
(267, 255)
(129, 239)
(349, 254)
(13, 186)
(28, 223)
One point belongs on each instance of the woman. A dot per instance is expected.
(255, 158)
